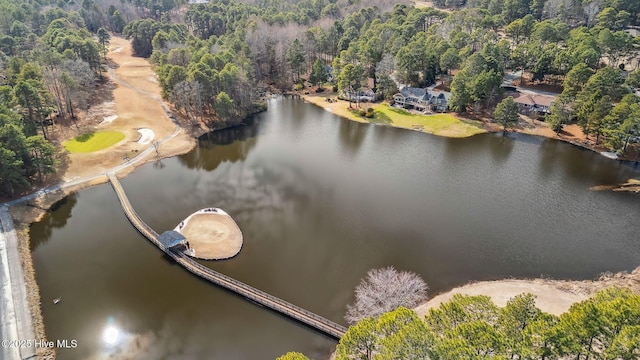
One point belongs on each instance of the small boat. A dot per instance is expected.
(56, 300)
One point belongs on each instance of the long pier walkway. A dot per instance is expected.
(306, 317)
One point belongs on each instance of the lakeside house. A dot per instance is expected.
(328, 72)
(364, 95)
(534, 103)
(422, 99)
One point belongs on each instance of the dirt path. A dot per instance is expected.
(137, 104)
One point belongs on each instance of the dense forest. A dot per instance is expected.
(214, 61)
(52, 56)
(606, 326)
(225, 53)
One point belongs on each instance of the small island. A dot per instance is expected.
(211, 234)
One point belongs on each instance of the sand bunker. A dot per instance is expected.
(118, 49)
(108, 119)
(212, 234)
(146, 136)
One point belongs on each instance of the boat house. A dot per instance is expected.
(172, 239)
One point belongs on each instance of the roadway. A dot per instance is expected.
(510, 76)
(15, 314)
(15, 317)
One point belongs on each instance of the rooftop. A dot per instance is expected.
(534, 99)
(171, 238)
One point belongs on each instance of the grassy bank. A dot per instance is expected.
(447, 125)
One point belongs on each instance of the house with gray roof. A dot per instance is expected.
(422, 99)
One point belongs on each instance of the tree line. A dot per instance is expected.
(606, 326)
(215, 60)
(50, 64)
(52, 55)
(279, 44)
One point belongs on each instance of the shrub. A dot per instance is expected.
(369, 113)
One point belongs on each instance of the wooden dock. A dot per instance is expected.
(297, 313)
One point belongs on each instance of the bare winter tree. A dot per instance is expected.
(187, 96)
(269, 44)
(385, 290)
(591, 9)
(76, 83)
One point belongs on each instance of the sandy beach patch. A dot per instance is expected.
(446, 125)
(549, 298)
(146, 136)
(552, 296)
(213, 234)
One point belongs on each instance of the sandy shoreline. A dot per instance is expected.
(134, 111)
(571, 133)
(461, 129)
(552, 296)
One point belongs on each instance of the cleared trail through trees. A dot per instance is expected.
(297, 313)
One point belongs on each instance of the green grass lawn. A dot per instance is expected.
(438, 124)
(93, 141)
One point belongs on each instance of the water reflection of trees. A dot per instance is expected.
(390, 136)
(501, 147)
(352, 135)
(56, 217)
(549, 155)
(214, 148)
(578, 164)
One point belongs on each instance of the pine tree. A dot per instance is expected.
(506, 113)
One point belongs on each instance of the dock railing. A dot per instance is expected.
(260, 297)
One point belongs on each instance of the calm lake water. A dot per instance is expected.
(320, 201)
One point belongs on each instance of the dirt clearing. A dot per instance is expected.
(134, 106)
